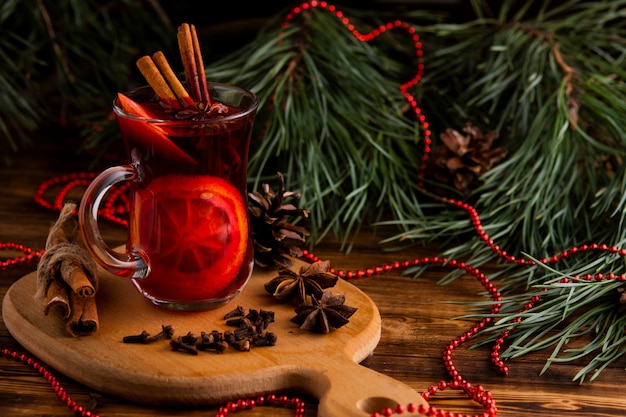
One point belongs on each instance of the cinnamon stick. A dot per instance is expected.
(74, 276)
(184, 99)
(185, 45)
(204, 90)
(149, 70)
(57, 296)
(83, 319)
(192, 62)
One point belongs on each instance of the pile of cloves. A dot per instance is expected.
(251, 331)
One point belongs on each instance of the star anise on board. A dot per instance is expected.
(464, 157)
(311, 280)
(323, 314)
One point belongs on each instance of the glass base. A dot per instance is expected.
(190, 306)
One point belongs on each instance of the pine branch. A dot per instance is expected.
(347, 152)
(62, 62)
(554, 86)
(560, 115)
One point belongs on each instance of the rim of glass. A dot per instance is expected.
(252, 107)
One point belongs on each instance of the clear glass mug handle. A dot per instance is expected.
(134, 263)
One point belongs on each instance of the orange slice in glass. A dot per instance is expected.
(202, 228)
(148, 135)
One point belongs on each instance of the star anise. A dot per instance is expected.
(311, 280)
(329, 312)
(199, 111)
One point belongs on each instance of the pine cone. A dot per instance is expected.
(274, 238)
(464, 159)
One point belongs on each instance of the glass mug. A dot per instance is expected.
(189, 246)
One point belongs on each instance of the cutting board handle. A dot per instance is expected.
(353, 390)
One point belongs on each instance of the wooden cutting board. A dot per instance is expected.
(323, 366)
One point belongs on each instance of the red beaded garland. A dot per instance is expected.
(29, 255)
(50, 378)
(116, 202)
(268, 400)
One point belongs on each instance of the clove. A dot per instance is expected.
(189, 339)
(267, 339)
(239, 322)
(167, 332)
(217, 346)
(141, 338)
(179, 345)
(242, 345)
(237, 312)
(264, 319)
(247, 332)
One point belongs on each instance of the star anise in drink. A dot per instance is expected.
(324, 314)
(311, 280)
(200, 111)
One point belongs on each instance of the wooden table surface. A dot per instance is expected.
(416, 322)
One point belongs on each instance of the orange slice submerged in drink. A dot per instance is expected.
(195, 230)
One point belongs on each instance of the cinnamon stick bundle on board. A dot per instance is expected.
(67, 276)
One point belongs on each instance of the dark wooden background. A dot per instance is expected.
(417, 321)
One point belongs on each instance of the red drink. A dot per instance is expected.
(189, 233)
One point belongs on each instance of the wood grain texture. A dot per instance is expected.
(416, 323)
